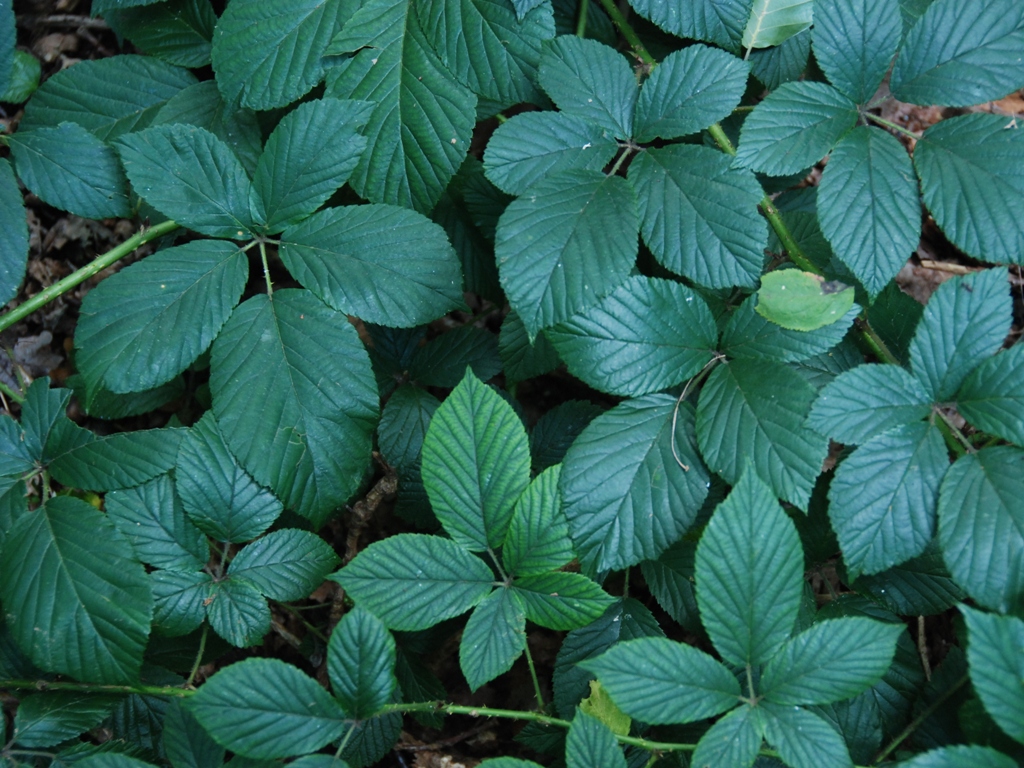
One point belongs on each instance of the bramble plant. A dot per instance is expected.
(325, 180)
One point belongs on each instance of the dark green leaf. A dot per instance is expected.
(144, 325)
(13, 234)
(177, 31)
(733, 741)
(661, 681)
(24, 81)
(403, 424)
(494, 637)
(264, 708)
(372, 739)
(295, 399)
(992, 396)
(997, 667)
(185, 742)
(179, 600)
(961, 756)
(774, 21)
(287, 564)
(894, 315)
(802, 737)
(238, 612)
(748, 334)
(919, 587)
(522, 359)
(8, 38)
(16, 458)
(794, 127)
(538, 534)
(436, 579)
(442, 361)
(361, 663)
(698, 215)
(854, 43)
(80, 459)
(561, 600)
(783, 63)
(101, 403)
(590, 742)
(42, 410)
(625, 494)
(47, 719)
(859, 722)
(670, 579)
(717, 21)
(75, 597)
(557, 429)
(381, 263)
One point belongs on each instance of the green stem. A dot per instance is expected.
(581, 18)
(18, 398)
(874, 341)
(344, 741)
(916, 722)
(199, 655)
(892, 126)
(47, 295)
(620, 21)
(266, 267)
(955, 439)
(47, 685)
(626, 152)
(533, 674)
(309, 627)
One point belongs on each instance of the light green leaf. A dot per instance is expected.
(864, 402)
(13, 234)
(600, 706)
(802, 301)
(561, 600)
(75, 598)
(538, 534)
(69, 168)
(747, 334)
(47, 719)
(25, 71)
(568, 241)
(964, 323)
(420, 130)
(659, 681)
(648, 334)
(179, 600)
(494, 637)
(717, 21)
(981, 526)
(590, 80)
(295, 399)
(802, 737)
(151, 518)
(749, 574)
(381, 263)
(869, 207)
(690, 90)
(794, 128)
(854, 43)
(992, 396)
(268, 53)
(961, 53)
(733, 741)
(997, 667)
(774, 21)
(961, 756)
(144, 325)
(532, 145)
(287, 564)
(238, 612)
(185, 742)
(436, 579)
(698, 215)
(590, 742)
(361, 664)
(191, 176)
(177, 31)
(80, 459)
(488, 47)
(626, 497)
(884, 495)
(310, 154)
(972, 178)
(523, 359)
(753, 411)
(219, 496)
(109, 97)
(264, 708)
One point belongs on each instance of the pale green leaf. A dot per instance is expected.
(802, 301)
(538, 534)
(560, 600)
(854, 43)
(49, 718)
(494, 637)
(80, 459)
(590, 743)
(992, 396)
(747, 334)
(997, 667)
(717, 21)
(25, 72)
(361, 663)
(774, 21)
(802, 737)
(733, 741)
(179, 600)
(287, 564)
(238, 612)
(13, 234)
(177, 31)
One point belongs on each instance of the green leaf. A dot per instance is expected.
(295, 399)
(626, 497)
(310, 154)
(476, 462)
(403, 425)
(75, 598)
(238, 612)
(854, 43)
(361, 664)
(191, 176)
(420, 130)
(860, 404)
(47, 719)
(179, 600)
(883, 497)
(997, 667)
(717, 21)
(522, 359)
(590, 742)
(268, 53)
(749, 570)
(80, 459)
(557, 429)
(533, 145)
(25, 71)
(774, 21)
(568, 241)
(965, 322)
(783, 63)
(690, 90)
(443, 360)
(919, 587)
(868, 206)
(494, 637)
(16, 458)
(8, 38)
(13, 234)
(185, 742)
(752, 411)
(287, 564)
(109, 97)
(961, 54)
(747, 334)
(802, 737)
(42, 410)
(981, 526)
(560, 600)
(833, 660)
(220, 497)
(971, 179)
(698, 215)
(590, 80)
(538, 534)
(436, 578)
(177, 31)
(670, 579)
(144, 325)
(491, 49)
(733, 741)
(264, 708)
(659, 681)
(70, 169)
(802, 301)
(961, 756)
(794, 127)
(600, 706)
(381, 263)
(151, 518)
(648, 334)
(992, 396)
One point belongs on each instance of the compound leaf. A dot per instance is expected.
(361, 663)
(997, 667)
(854, 43)
(538, 534)
(992, 396)
(494, 637)
(287, 564)
(561, 600)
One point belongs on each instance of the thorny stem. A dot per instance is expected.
(620, 21)
(874, 341)
(50, 293)
(533, 675)
(581, 18)
(48, 685)
(199, 655)
(892, 126)
(916, 722)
